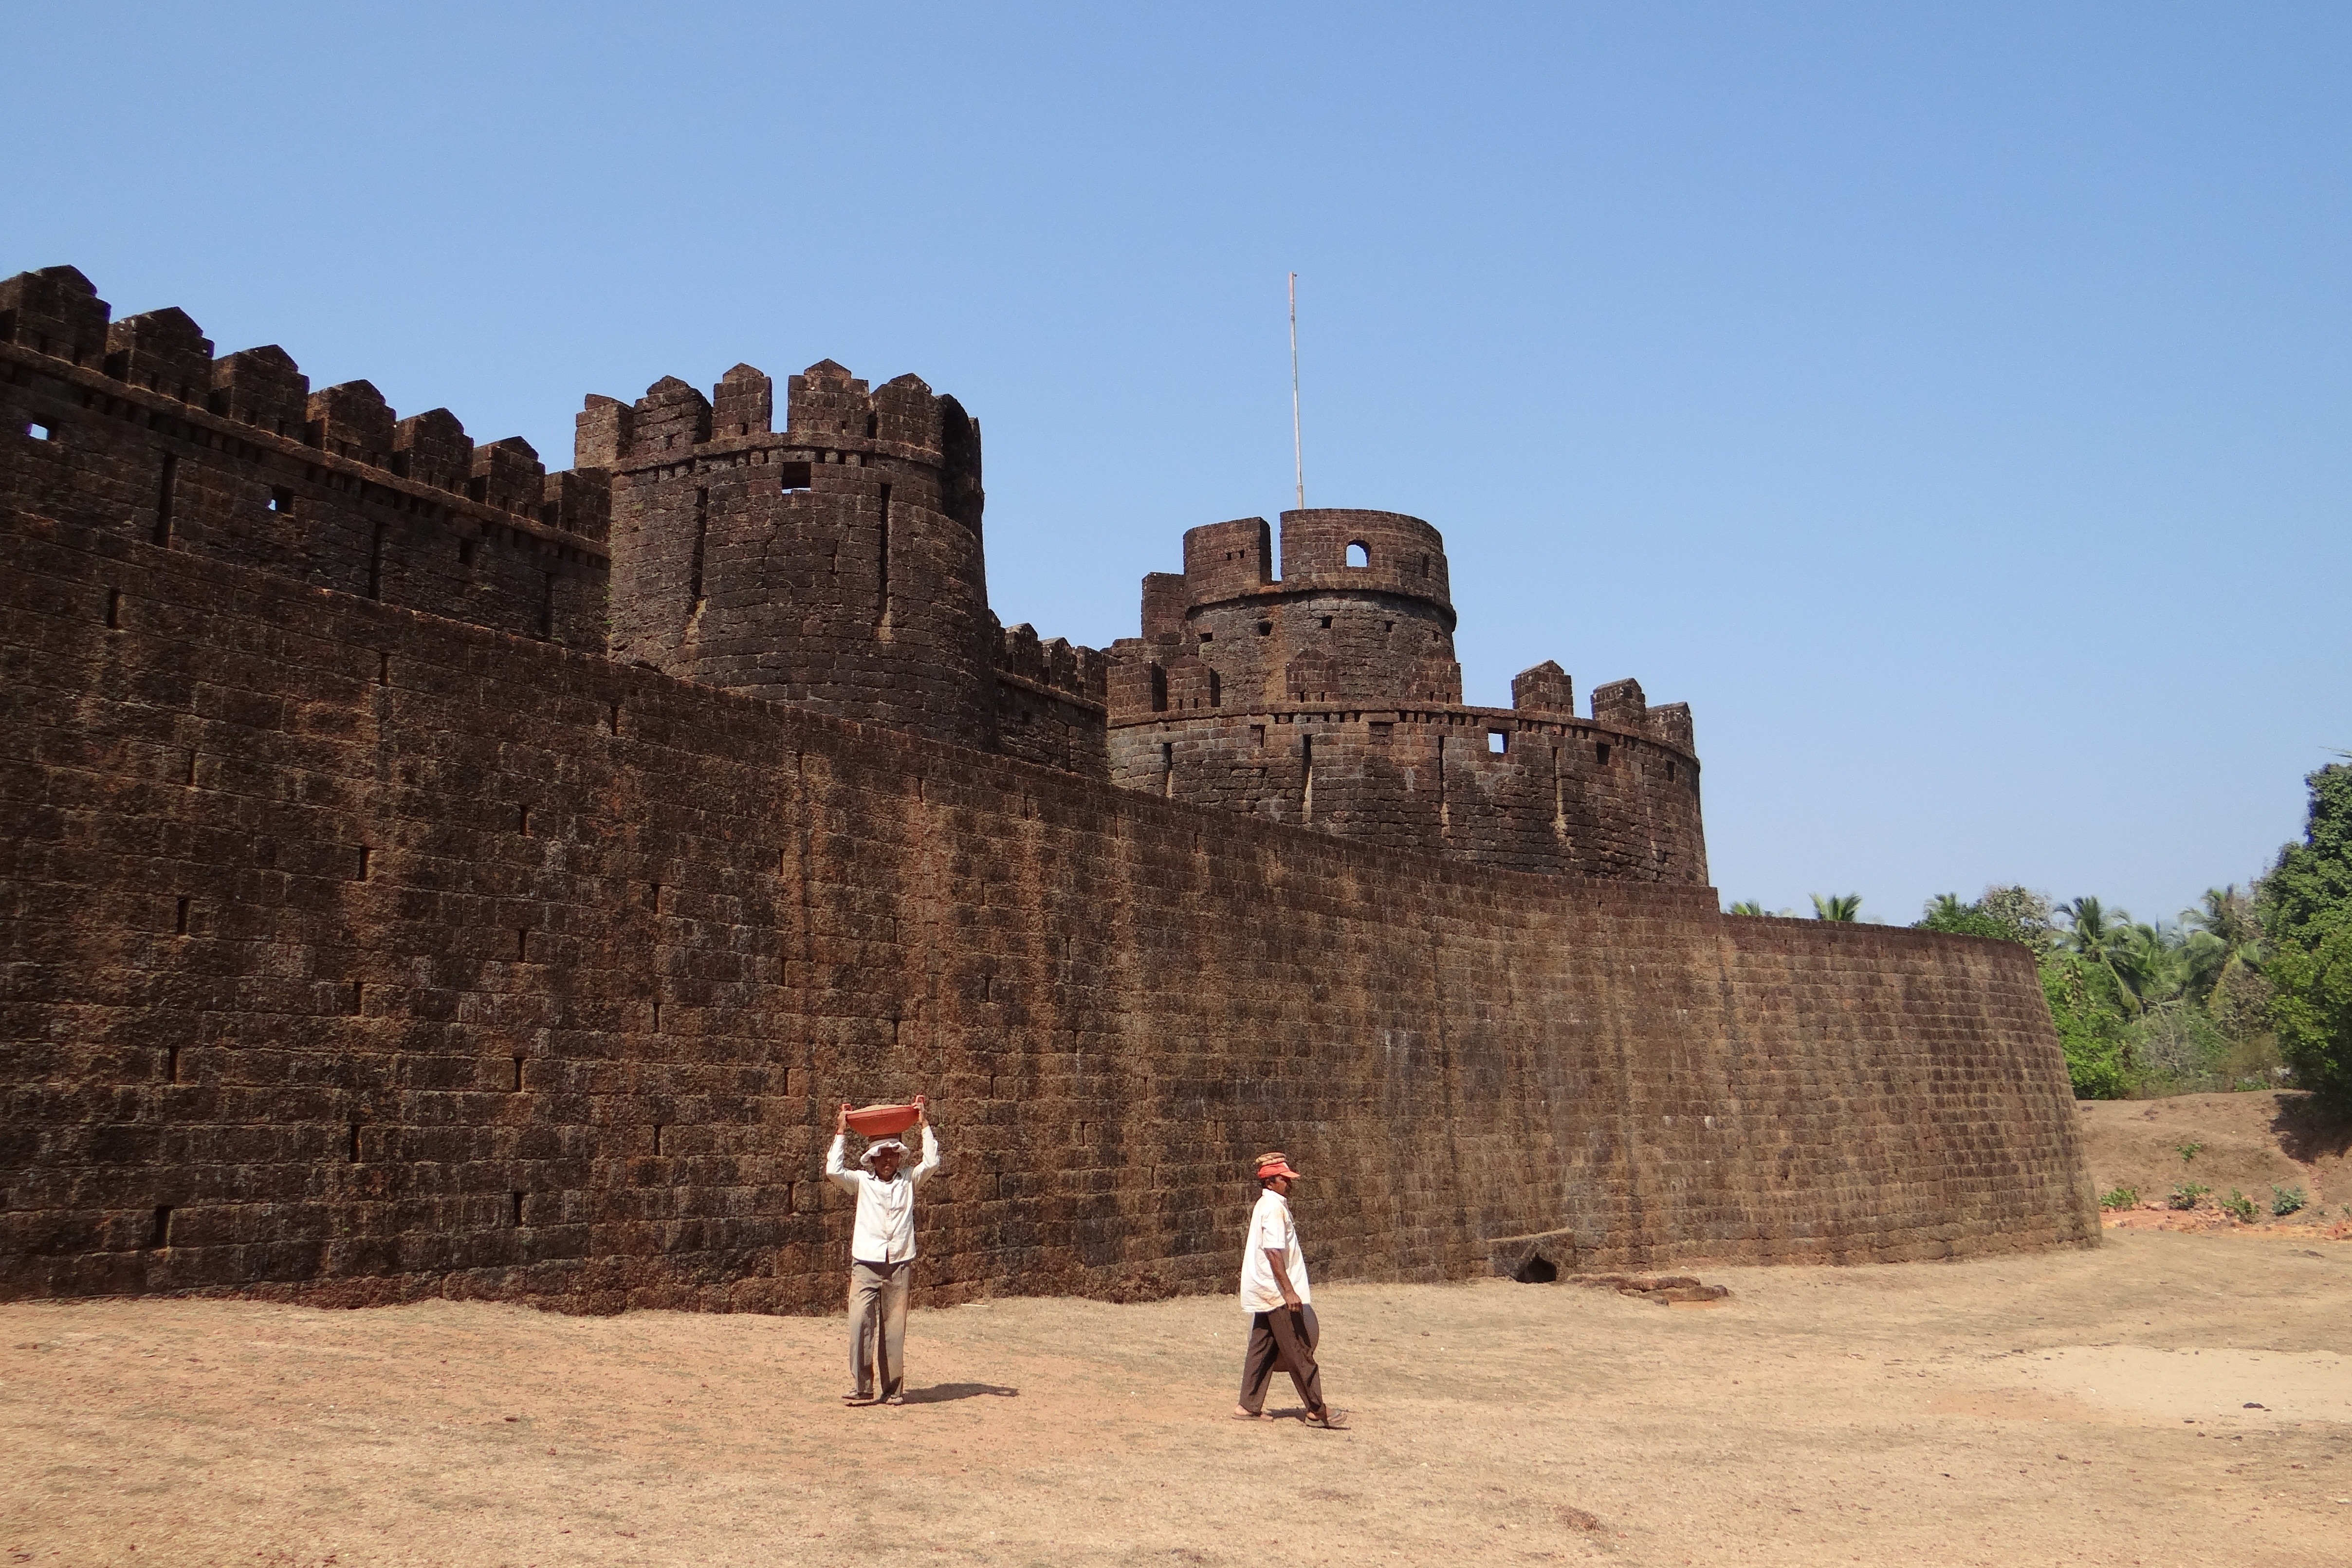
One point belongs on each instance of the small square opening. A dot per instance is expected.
(1266, 628)
(37, 431)
(281, 498)
(792, 477)
(1497, 741)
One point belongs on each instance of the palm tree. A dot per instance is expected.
(1946, 906)
(1747, 907)
(2227, 937)
(1837, 907)
(2092, 929)
(2149, 962)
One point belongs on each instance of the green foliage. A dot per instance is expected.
(2185, 1196)
(2306, 905)
(1747, 907)
(1837, 907)
(1946, 913)
(2091, 1028)
(2188, 1152)
(2286, 1200)
(2120, 1198)
(2024, 912)
(2311, 1006)
(2237, 1207)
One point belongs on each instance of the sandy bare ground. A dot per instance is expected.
(2163, 1399)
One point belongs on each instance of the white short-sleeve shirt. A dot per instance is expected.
(1271, 1230)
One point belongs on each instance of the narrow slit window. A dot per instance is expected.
(701, 536)
(882, 563)
(163, 499)
(1601, 753)
(465, 552)
(1216, 689)
(1159, 689)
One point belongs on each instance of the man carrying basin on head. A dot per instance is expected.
(881, 1256)
(1282, 1313)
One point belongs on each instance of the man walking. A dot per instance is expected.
(881, 1251)
(1281, 1307)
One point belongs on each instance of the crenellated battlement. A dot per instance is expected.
(56, 312)
(135, 428)
(834, 564)
(1329, 696)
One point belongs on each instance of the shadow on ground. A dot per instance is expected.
(940, 1393)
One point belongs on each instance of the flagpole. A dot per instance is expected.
(1297, 452)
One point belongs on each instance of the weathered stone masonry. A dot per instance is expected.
(358, 950)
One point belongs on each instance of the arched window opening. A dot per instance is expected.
(1359, 553)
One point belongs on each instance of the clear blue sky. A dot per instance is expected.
(1948, 403)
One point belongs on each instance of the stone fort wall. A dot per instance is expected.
(357, 953)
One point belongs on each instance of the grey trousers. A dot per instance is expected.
(877, 1327)
(1281, 1339)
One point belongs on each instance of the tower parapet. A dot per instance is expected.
(1329, 696)
(835, 564)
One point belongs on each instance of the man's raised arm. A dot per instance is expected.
(930, 1160)
(835, 1172)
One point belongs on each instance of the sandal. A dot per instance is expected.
(1330, 1420)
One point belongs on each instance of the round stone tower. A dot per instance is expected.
(836, 564)
(1330, 698)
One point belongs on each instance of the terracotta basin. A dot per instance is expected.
(883, 1120)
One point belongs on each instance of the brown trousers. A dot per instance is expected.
(1287, 1338)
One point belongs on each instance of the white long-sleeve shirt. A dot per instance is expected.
(886, 1210)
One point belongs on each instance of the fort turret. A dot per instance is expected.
(1329, 696)
(834, 564)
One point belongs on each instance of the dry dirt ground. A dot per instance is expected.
(2251, 1144)
(2162, 1399)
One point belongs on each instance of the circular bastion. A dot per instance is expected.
(1328, 696)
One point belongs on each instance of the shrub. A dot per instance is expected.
(2188, 1152)
(2286, 1200)
(2120, 1198)
(2239, 1206)
(2185, 1198)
